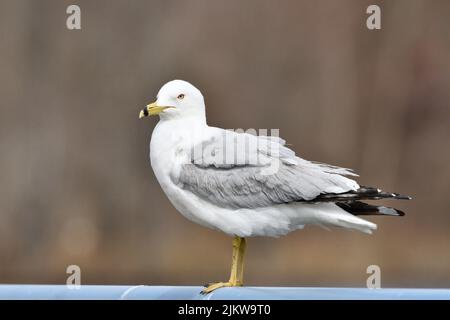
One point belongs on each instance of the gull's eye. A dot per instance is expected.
(180, 96)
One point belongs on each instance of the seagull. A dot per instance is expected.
(248, 185)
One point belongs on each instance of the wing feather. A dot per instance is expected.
(238, 170)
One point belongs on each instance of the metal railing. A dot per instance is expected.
(193, 293)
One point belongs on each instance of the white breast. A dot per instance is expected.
(169, 150)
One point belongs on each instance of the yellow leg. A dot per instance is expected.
(237, 267)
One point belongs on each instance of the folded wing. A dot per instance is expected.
(238, 170)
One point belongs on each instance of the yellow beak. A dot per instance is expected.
(152, 110)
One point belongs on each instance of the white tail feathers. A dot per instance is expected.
(332, 215)
(360, 225)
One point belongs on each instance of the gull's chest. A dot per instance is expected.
(167, 154)
(169, 151)
(170, 148)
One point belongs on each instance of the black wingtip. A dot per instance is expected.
(359, 208)
(387, 211)
(363, 193)
(401, 196)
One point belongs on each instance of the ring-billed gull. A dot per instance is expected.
(247, 185)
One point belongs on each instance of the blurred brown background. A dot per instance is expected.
(76, 184)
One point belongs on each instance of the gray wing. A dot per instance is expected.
(236, 170)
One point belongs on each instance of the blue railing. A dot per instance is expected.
(193, 293)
